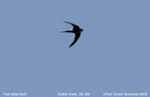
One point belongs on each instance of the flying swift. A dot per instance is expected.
(76, 30)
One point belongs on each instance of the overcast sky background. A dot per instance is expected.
(112, 54)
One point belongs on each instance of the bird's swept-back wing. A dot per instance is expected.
(74, 26)
(75, 39)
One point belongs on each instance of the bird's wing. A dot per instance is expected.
(74, 26)
(77, 35)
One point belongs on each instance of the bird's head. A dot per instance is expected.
(81, 30)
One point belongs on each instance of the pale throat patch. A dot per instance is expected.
(70, 29)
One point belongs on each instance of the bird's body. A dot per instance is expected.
(76, 30)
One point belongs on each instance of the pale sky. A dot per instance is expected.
(112, 54)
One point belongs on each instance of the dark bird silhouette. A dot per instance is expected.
(76, 30)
